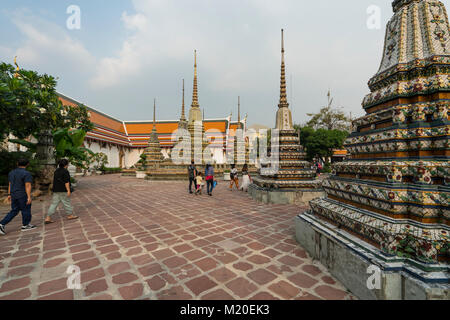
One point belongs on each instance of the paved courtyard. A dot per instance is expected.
(152, 240)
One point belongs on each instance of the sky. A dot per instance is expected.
(128, 52)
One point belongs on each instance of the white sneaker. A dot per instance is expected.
(2, 229)
(28, 227)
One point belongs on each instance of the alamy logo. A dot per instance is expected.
(74, 280)
(374, 280)
(74, 20)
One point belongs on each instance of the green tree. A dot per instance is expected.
(68, 145)
(329, 118)
(30, 105)
(321, 143)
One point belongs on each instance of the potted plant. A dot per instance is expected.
(140, 167)
(226, 175)
(100, 161)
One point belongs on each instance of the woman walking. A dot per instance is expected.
(246, 180)
(234, 177)
(209, 174)
(61, 192)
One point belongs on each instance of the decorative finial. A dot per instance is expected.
(283, 93)
(183, 117)
(239, 112)
(17, 67)
(154, 113)
(195, 91)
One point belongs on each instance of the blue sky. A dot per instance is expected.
(129, 52)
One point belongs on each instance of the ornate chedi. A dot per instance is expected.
(294, 177)
(240, 150)
(394, 190)
(153, 152)
(195, 124)
(183, 124)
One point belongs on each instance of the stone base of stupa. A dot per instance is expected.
(357, 264)
(299, 196)
(169, 171)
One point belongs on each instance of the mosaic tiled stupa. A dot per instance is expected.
(393, 192)
(153, 151)
(294, 178)
(195, 124)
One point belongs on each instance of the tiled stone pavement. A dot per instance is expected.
(152, 240)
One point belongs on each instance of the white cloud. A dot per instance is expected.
(47, 46)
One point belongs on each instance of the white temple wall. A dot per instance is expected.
(132, 156)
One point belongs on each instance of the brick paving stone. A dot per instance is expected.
(133, 232)
(96, 287)
(108, 249)
(241, 287)
(175, 262)
(156, 283)
(17, 295)
(125, 277)
(243, 266)
(311, 269)
(54, 263)
(284, 290)
(52, 286)
(219, 294)
(182, 248)
(64, 295)
(271, 253)
(131, 292)
(142, 259)
(92, 275)
(258, 259)
(291, 261)
(88, 264)
(162, 254)
(20, 271)
(79, 248)
(133, 251)
(330, 293)
(174, 293)
(83, 255)
(151, 247)
(256, 246)
(261, 276)
(119, 267)
(226, 257)
(103, 296)
(151, 269)
(328, 280)
(302, 280)
(201, 284)
(263, 296)
(15, 284)
(222, 275)
(23, 261)
(207, 264)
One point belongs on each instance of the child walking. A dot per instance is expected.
(199, 182)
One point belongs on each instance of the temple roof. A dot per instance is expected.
(137, 133)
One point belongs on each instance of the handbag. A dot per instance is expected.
(214, 184)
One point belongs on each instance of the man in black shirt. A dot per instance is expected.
(19, 194)
(192, 171)
(61, 192)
